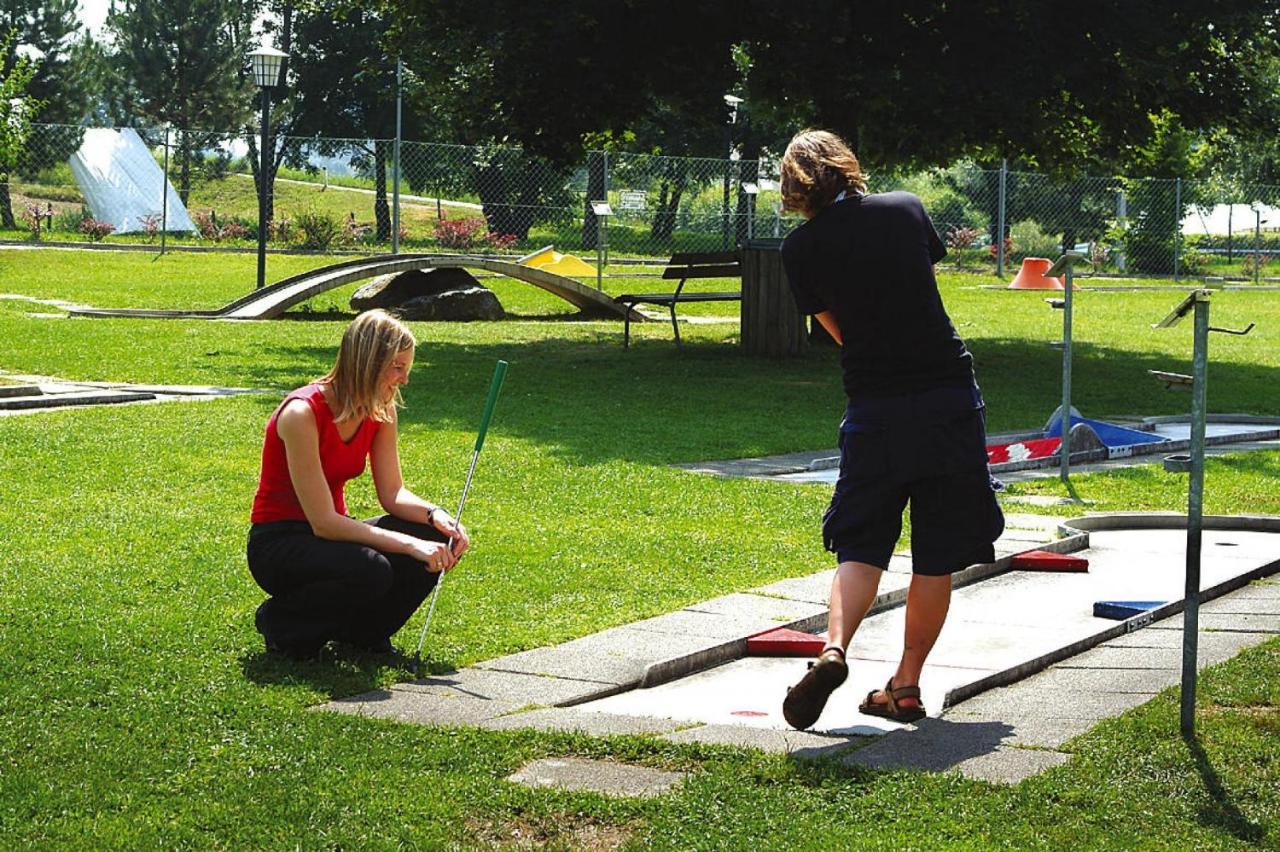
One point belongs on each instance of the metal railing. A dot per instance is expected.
(332, 194)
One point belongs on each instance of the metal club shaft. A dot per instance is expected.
(499, 373)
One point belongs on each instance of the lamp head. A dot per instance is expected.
(266, 66)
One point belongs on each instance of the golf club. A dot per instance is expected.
(499, 372)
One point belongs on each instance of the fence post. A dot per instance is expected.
(1257, 243)
(164, 192)
(597, 190)
(395, 167)
(1177, 224)
(1004, 171)
(1122, 213)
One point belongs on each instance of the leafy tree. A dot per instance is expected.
(17, 108)
(66, 76)
(345, 89)
(183, 62)
(915, 82)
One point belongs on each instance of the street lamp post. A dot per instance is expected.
(731, 101)
(266, 73)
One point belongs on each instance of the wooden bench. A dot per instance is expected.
(686, 265)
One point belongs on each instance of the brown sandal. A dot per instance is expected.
(890, 709)
(804, 702)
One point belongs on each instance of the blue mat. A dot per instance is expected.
(1108, 433)
(1120, 610)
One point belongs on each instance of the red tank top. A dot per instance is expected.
(340, 460)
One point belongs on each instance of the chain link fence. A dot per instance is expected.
(379, 196)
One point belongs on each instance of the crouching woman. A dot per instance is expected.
(329, 576)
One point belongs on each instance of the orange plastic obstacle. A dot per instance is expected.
(1032, 276)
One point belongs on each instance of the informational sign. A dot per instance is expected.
(631, 200)
(601, 208)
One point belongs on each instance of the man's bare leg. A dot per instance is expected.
(853, 590)
(928, 600)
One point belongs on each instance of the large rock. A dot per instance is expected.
(461, 305)
(388, 291)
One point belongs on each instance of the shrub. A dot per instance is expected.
(459, 233)
(280, 230)
(150, 225)
(211, 229)
(1034, 242)
(1010, 248)
(1194, 262)
(470, 233)
(1099, 254)
(319, 231)
(96, 229)
(69, 220)
(34, 217)
(1254, 262)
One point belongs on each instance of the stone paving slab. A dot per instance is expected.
(619, 655)
(509, 687)
(1231, 622)
(709, 625)
(802, 744)
(976, 749)
(420, 708)
(1212, 645)
(571, 719)
(597, 776)
(780, 611)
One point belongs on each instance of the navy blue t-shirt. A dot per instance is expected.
(869, 260)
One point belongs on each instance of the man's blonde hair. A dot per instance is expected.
(369, 344)
(818, 166)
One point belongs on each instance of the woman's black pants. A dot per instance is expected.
(322, 590)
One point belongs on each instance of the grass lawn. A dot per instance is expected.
(137, 708)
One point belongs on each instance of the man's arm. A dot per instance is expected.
(828, 320)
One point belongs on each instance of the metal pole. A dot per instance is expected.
(728, 168)
(1177, 224)
(604, 159)
(263, 189)
(164, 192)
(1257, 245)
(1064, 451)
(600, 251)
(1195, 496)
(395, 171)
(1004, 171)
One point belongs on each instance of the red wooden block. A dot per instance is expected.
(1043, 560)
(784, 642)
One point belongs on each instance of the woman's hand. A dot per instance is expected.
(445, 523)
(435, 555)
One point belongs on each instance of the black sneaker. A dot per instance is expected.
(298, 651)
(804, 702)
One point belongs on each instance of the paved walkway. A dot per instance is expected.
(28, 394)
(988, 730)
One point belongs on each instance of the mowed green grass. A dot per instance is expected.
(137, 707)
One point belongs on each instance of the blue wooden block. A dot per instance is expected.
(1120, 610)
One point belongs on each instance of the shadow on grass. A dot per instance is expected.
(338, 672)
(591, 401)
(1221, 812)
(936, 745)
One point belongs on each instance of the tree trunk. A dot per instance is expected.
(597, 190)
(6, 205)
(381, 209)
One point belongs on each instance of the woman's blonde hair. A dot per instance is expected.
(368, 345)
(818, 166)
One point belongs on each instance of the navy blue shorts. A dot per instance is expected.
(934, 461)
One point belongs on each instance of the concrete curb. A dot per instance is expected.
(1129, 521)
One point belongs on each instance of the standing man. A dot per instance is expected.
(914, 430)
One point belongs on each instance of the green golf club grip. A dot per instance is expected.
(499, 372)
